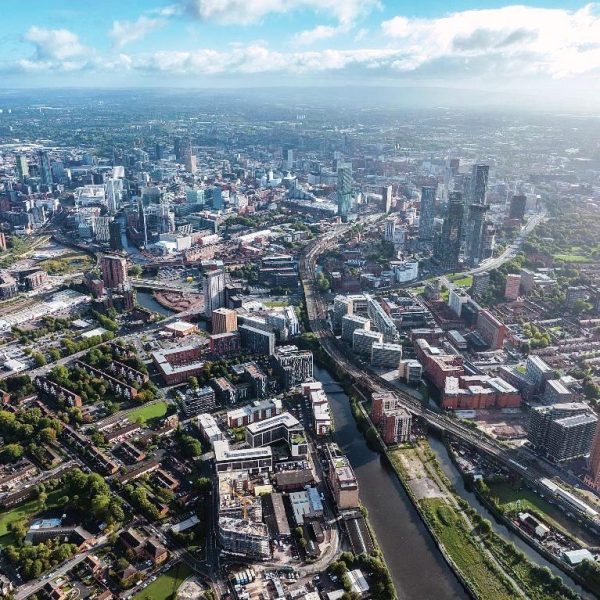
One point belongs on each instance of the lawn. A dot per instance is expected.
(23, 511)
(450, 527)
(276, 303)
(148, 412)
(463, 281)
(166, 585)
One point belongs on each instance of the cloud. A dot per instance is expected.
(54, 44)
(247, 12)
(318, 34)
(517, 40)
(127, 32)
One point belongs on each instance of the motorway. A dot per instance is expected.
(369, 381)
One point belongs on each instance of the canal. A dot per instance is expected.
(417, 567)
(456, 479)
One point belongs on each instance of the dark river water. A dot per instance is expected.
(416, 565)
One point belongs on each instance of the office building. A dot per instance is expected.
(363, 340)
(257, 341)
(518, 206)
(224, 320)
(350, 323)
(293, 365)
(114, 270)
(427, 213)
(386, 355)
(342, 480)
(447, 251)
(511, 289)
(457, 298)
(114, 236)
(280, 428)
(214, 290)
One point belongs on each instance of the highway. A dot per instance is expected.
(369, 381)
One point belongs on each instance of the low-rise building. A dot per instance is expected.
(284, 427)
(341, 478)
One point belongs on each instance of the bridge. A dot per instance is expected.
(369, 381)
(170, 286)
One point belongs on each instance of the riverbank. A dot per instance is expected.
(407, 547)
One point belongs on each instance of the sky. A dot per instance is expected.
(536, 48)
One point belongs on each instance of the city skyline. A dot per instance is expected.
(538, 46)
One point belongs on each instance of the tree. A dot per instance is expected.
(204, 484)
(11, 453)
(193, 382)
(190, 446)
(38, 358)
(135, 271)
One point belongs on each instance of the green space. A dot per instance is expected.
(148, 412)
(486, 580)
(276, 303)
(69, 263)
(462, 281)
(26, 510)
(166, 585)
(511, 499)
(572, 258)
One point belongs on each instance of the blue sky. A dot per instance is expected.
(204, 43)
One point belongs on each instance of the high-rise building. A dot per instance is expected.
(518, 205)
(427, 213)
(295, 366)
(45, 169)
(214, 290)
(22, 167)
(594, 463)
(344, 190)
(491, 329)
(224, 320)
(448, 247)
(114, 270)
(113, 194)
(114, 235)
(217, 198)
(386, 197)
(478, 184)
(511, 289)
(481, 283)
(562, 431)
(475, 222)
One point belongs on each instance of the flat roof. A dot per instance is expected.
(286, 419)
(224, 453)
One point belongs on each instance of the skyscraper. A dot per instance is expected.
(478, 184)
(114, 270)
(114, 234)
(45, 169)
(22, 167)
(344, 190)
(475, 221)
(448, 248)
(518, 205)
(217, 198)
(386, 195)
(427, 213)
(214, 290)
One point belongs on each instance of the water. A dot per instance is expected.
(146, 299)
(456, 479)
(417, 567)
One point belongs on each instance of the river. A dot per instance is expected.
(417, 567)
(456, 479)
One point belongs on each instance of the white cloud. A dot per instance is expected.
(517, 40)
(246, 12)
(318, 34)
(55, 44)
(127, 32)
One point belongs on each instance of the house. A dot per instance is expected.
(156, 552)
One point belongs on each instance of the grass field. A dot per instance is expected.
(166, 584)
(463, 281)
(147, 413)
(276, 303)
(69, 263)
(474, 565)
(23, 511)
